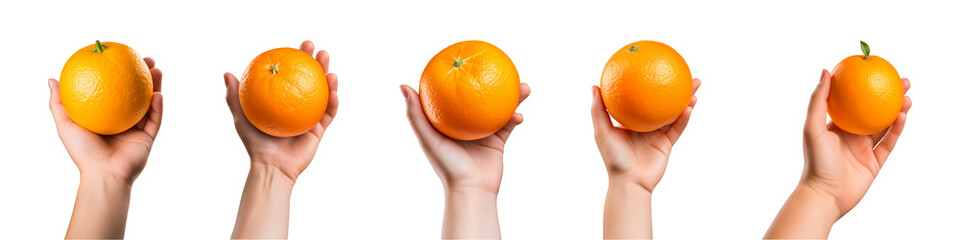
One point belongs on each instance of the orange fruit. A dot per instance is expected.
(469, 90)
(866, 93)
(646, 85)
(284, 92)
(106, 87)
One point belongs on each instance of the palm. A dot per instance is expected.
(842, 164)
(638, 156)
(290, 154)
(477, 163)
(123, 155)
(846, 164)
(642, 157)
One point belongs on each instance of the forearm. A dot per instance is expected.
(807, 214)
(470, 214)
(101, 208)
(626, 214)
(265, 204)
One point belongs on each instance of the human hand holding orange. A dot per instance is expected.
(275, 162)
(470, 170)
(839, 168)
(635, 163)
(290, 155)
(108, 164)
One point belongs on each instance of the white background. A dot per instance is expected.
(737, 162)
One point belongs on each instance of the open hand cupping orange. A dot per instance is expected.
(275, 162)
(470, 169)
(108, 164)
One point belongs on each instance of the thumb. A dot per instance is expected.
(418, 120)
(817, 110)
(60, 116)
(233, 96)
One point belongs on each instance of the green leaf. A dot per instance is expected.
(865, 49)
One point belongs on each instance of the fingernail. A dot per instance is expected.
(405, 97)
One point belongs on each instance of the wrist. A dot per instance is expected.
(812, 193)
(104, 182)
(628, 184)
(266, 174)
(463, 192)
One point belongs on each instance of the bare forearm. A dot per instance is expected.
(101, 208)
(807, 214)
(626, 214)
(265, 204)
(470, 214)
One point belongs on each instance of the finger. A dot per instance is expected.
(307, 46)
(324, 58)
(333, 101)
(907, 104)
(696, 85)
(524, 92)
(150, 62)
(601, 119)
(504, 132)
(152, 127)
(676, 129)
(906, 85)
(885, 146)
(817, 110)
(418, 120)
(233, 97)
(157, 76)
(882, 151)
(56, 106)
(333, 82)
(877, 137)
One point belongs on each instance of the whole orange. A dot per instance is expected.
(866, 93)
(469, 90)
(106, 87)
(646, 85)
(284, 92)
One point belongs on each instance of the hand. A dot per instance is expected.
(275, 162)
(290, 155)
(108, 164)
(841, 164)
(638, 157)
(121, 156)
(635, 163)
(474, 164)
(839, 168)
(470, 171)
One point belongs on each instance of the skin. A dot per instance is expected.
(469, 170)
(635, 164)
(108, 164)
(839, 168)
(275, 163)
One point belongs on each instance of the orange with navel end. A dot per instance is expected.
(866, 93)
(646, 85)
(469, 90)
(284, 92)
(106, 87)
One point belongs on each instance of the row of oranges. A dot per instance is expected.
(469, 90)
